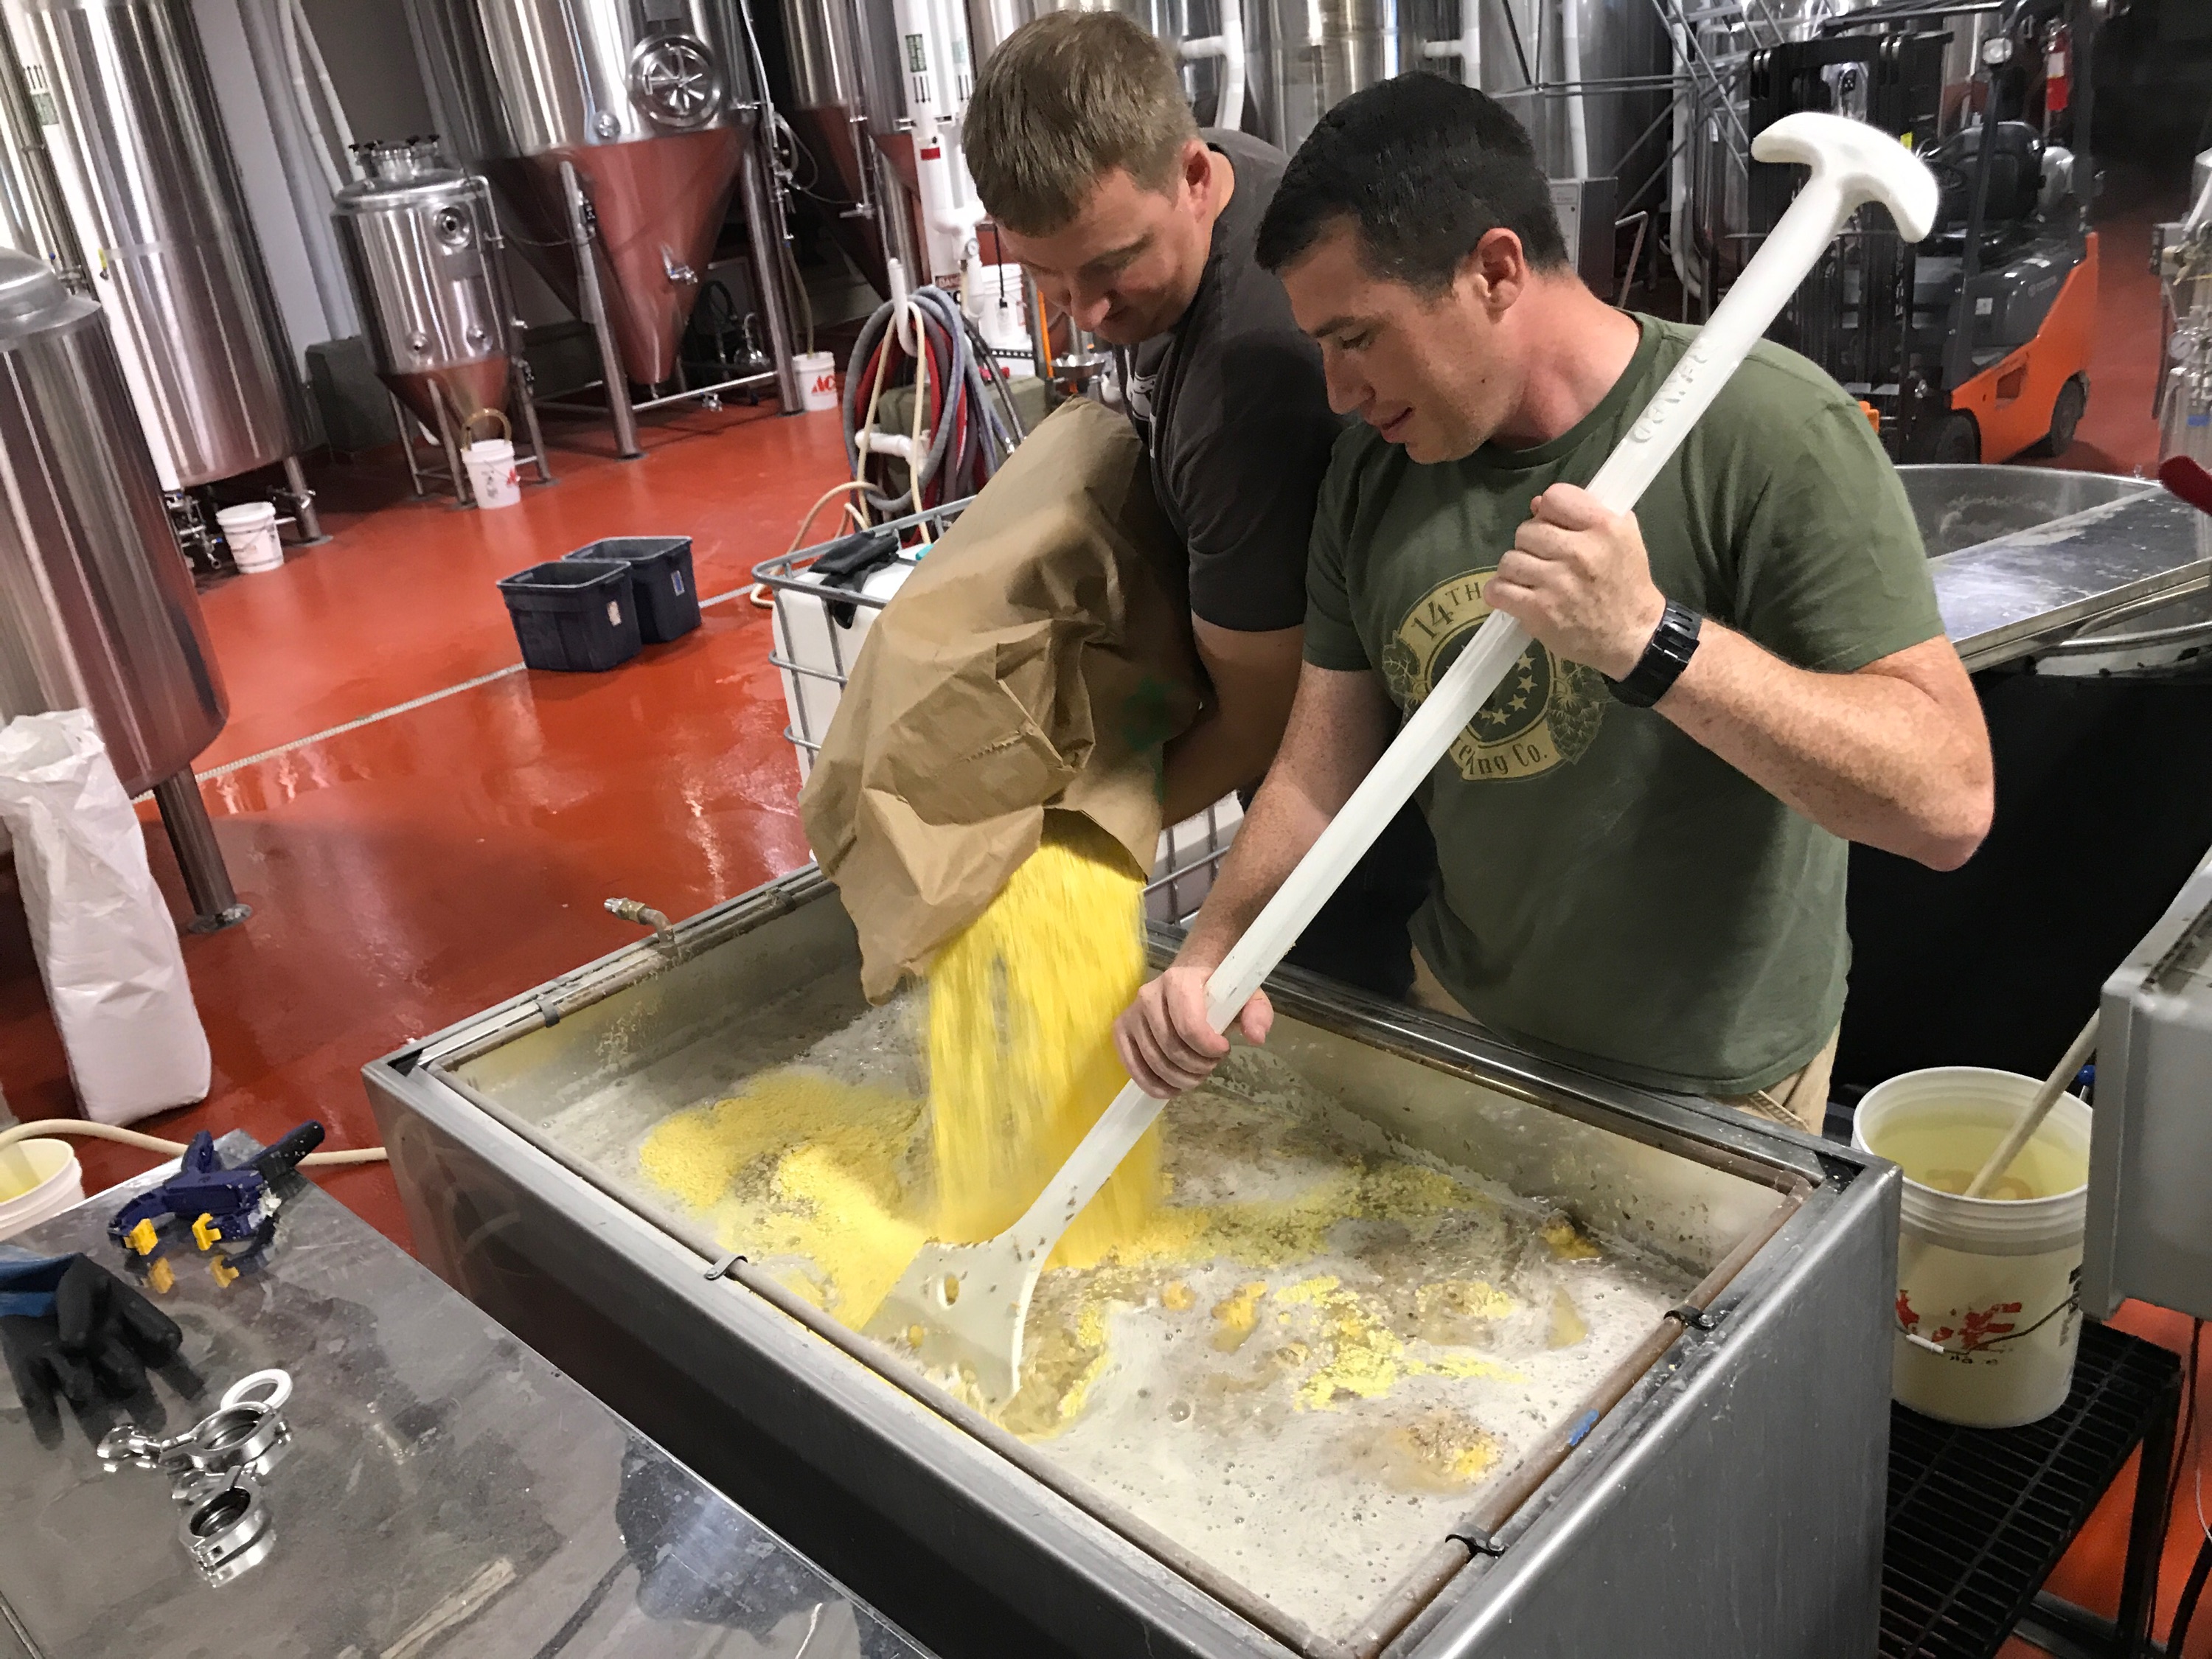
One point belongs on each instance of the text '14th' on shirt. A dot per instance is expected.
(1609, 891)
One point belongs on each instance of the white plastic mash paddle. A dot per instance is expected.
(965, 1305)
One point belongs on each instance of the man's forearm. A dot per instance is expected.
(1255, 678)
(1210, 760)
(1872, 756)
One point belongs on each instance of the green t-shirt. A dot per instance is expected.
(1610, 890)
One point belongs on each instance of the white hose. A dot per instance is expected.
(323, 76)
(70, 1126)
(287, 27)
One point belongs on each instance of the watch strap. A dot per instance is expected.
(1673, 643)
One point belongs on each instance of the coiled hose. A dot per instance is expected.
(963, 431)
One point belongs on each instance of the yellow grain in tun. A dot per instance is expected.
(1022, 1004)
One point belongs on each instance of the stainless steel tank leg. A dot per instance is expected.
(456, 469)
(764, 229)
(306, 519)
(404, 418)
(518, 377)
(207, 881)
(593, 305)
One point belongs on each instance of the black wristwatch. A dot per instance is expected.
(1673, 643)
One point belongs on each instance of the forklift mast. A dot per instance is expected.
(1938, 340)
(1854, 315)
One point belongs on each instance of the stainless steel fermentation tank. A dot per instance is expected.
(1586, 78)
(1302, 58)
(422, 249)
(97, 609)
(1591, 79)
(1176, 22)
(619, 126)
(846, 109)
(1729, 1504)
(121, 90)
(33, 217)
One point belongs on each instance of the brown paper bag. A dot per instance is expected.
(1039, 657)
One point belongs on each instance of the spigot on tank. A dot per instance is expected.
(644, 915)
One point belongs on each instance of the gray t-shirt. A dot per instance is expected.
(1233, 409)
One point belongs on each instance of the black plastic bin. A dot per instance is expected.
(660, 581)
(573, 615)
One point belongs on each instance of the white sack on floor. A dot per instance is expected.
(107, 947)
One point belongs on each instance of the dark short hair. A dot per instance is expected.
(1064, 100)
(1426, 168)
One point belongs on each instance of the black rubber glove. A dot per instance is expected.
(98, 1339)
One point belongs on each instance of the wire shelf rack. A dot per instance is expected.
(819, 624)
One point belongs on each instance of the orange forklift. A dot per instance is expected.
(1974, 344)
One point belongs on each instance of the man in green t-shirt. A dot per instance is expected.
(1641, 837)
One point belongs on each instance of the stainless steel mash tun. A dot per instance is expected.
(216, 1471)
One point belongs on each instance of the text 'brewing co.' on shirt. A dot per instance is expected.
(1609, 889)
(1234, 412)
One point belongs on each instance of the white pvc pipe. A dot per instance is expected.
(1571, 46)
(1229, 47)
(1467, 50)
(949, 212)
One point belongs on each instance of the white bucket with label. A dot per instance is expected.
(817, 380)
(249, 530)
(37, 1179)
(1988, 1309)
(492, 479)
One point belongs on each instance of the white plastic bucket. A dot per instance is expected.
(250, 532)
(56, 1182)
(1988, 1310)
(817, 380)
(492, 479)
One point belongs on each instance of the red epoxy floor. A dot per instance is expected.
(411, 871)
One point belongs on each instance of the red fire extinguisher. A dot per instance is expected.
(2057, 74)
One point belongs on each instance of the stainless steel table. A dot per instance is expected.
(448, 1495)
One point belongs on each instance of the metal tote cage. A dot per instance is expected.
(820, 622)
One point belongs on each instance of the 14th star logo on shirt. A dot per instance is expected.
(1545, 711)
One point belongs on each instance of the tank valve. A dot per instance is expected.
(643, 914)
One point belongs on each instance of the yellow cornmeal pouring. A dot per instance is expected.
(1022, 1004)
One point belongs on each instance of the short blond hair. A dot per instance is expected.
(1066, 99)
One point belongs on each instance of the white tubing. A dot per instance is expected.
(323, 77)
(70, 1126)
(288, 23)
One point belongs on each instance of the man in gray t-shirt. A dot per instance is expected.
(1142, 230)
